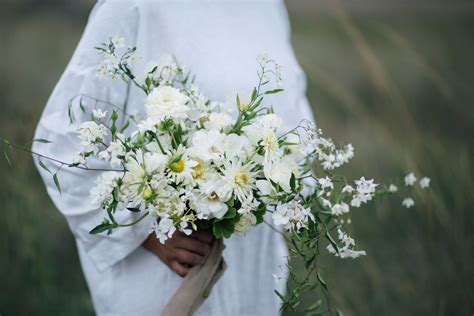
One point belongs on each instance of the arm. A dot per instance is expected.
(79, 78)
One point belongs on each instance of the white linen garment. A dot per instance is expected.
(219, 41)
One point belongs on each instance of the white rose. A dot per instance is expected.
(166, 102)
(219, 121)
(245, 223)
(280, 173)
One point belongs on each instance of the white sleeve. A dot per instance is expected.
(79, 78)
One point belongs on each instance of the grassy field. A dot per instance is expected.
(397, 85)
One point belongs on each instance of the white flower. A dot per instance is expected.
(183, 227)
(245, 223)
(408, 202)
(219, 121)
(292, 215)
(392, 188)
(280, 216)
(340, 209)
(118, 41)
(347, 189)
(99, 114)
(249, 205)
(325, 183)
(180, 166)
(347, 251)
(425, 182)
(166, 102)
(265, 187)
(91, 134)
(365, 191)
(164, 229)
(279, 172)
(101, 193)
(236, 146)
(79, 159)
(365, 186)
(410, 179)
(263, 133)
(266, 191)
(239, 178)
(356, 201)
(139, 167)
(117, 152)
(263, 58)
(208, 145)
(209, 206)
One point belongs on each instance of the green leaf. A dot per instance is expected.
(332, 241)
(273, 91)
(81, 105)
(105, 226)
(260, 213)
(42, 140)
(5, 152)
(56, 182)
(293, 181)
(279, 295)
(230, 213)
(315, 306)
(254, 94)
(42, 165)
(223, 228)
(133, 209)
(70, 112)
(125, 126)
(321, 280)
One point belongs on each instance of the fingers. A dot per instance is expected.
(203, 236)
(187, 257)
(179, 269)
(193, 245)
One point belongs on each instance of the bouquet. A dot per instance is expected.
(193, 163)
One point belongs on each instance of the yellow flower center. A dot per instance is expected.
(242, 178)
(198, 171)
(177, 166)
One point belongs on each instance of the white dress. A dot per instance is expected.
(219, 41)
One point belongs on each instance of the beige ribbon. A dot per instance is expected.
(197, 285)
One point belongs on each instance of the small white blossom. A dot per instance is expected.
(325, 183)
(347, 250)
(347, 189)
(248, 205)
(425, 182)
(101, 193)
(118, 41)
(292, 215)
(408, 202)
(340, 209)
(410, 179)
(392, 188)
(183, 227)
(164, 229)
(99, 114)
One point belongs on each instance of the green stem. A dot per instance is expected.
(135, 221)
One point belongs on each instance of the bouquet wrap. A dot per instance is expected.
(198, 284)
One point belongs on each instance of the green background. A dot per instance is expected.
(395, 78)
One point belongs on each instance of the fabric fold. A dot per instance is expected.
(197, 285)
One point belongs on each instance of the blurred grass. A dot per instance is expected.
(398, 86)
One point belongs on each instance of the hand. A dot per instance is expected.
(181, 252)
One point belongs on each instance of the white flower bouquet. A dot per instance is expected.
(193, 163)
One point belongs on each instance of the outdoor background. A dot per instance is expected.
(395, 78)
